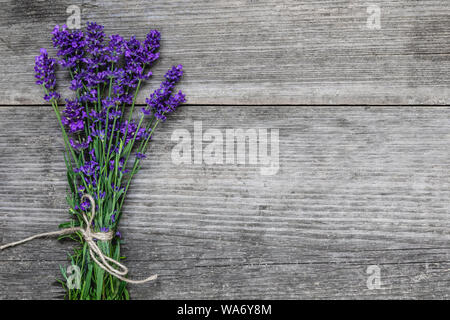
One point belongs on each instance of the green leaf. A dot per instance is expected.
(87, 283)
(99, 273)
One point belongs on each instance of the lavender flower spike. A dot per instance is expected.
(45, 74)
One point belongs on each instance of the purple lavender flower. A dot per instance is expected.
(140, 155)
(174, 74)
(114, 49)
(101, 195)
(85, 205)
(71, 45)
(78, 146)
(138, 56)
(92, 154)
(152, 40)
(131, 128)
(160, 101)
(45, 74)
(174, 101)
(89, 169)
(74, 116)
(120, 167)
(94, 38)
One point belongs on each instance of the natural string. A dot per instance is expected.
(89, 235)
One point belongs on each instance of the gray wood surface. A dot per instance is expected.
(257, 51)
(357, 186)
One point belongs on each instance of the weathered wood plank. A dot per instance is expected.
(357, 186)
(243, 279)
(257, 52)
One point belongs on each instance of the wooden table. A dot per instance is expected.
(359, 95)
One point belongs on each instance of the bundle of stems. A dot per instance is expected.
(104, 144)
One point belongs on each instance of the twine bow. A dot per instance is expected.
(104, 262)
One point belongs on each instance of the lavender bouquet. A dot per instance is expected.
(104, 146)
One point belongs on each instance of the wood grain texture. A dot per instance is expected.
(257, 51)
(357, 186)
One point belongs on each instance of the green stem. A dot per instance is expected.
(136, 162)
(131, 112)
(65, 137)
(132, 142)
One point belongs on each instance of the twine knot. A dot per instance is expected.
(90, 236)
